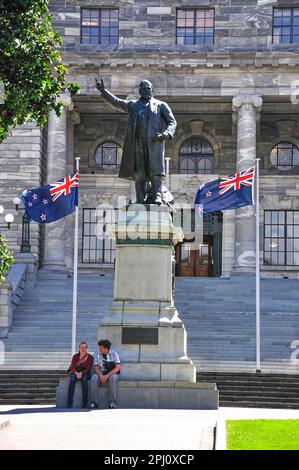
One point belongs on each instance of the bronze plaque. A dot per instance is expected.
(140, 335)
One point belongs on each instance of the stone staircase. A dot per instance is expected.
(219, 315)
(255, 390)
(27, 387)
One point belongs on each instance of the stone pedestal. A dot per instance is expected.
(143, 323)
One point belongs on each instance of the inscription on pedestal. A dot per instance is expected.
(139, 335)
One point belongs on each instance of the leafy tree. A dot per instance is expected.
(6, 259)
(31, 67)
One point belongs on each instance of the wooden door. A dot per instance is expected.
(195, 263)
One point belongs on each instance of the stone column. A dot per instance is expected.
(54, 238)
(247, 108)
(73, 121)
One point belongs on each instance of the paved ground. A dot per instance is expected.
(44, 427)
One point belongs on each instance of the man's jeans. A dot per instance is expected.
(112, 388)
(84, 383)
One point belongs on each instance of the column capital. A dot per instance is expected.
(66, 99)
(254, 101)
(74, 117)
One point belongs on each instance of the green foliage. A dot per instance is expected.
(30, 64)
(263, 434)
(6, 259)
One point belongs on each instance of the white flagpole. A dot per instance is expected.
(75, 277)
(257, 264)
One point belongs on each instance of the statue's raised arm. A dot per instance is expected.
(110, 98)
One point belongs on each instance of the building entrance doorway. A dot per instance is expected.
(204, 260)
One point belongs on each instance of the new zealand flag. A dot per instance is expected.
(52, 201)
(227, 193)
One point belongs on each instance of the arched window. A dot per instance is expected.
(196, 156)
(284, 156)
(108, 155)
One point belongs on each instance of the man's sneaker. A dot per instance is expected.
(93, 405)
(112, 405)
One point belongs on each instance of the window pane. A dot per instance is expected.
(190, 14)
(281, 258)
(267, 244)
(268, 230)
(290, 232)
(281, 230)
(267, 217)
(108, 155)
(267, 258)
(274, 217)
(196, 148)
(290, 217)
(296, 259)
(281, 217)
(274, 244)
(290, 244)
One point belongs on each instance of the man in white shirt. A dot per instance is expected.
(107, 369)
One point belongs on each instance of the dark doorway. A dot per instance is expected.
(206, 260)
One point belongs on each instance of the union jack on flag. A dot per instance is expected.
(52, 201)
(231, 192)
(235, 181)
(64, 186)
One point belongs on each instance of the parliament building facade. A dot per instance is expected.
(229, 71)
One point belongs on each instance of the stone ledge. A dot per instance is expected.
(149, 394)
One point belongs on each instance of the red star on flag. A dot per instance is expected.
(30, 204)
(45, 201)
(43, 217)
(209, 194)
(34, 196)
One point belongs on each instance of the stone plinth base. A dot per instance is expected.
(149, 394)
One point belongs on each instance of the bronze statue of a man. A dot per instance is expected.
(150, 123)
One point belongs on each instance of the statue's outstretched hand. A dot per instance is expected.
(100, 85)
(160, 137)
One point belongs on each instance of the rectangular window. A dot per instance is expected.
(99, 26)
(195, 26)
(97, 247)
(285, 28)
(281, 238)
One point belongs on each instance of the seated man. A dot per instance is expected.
(107, 369)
